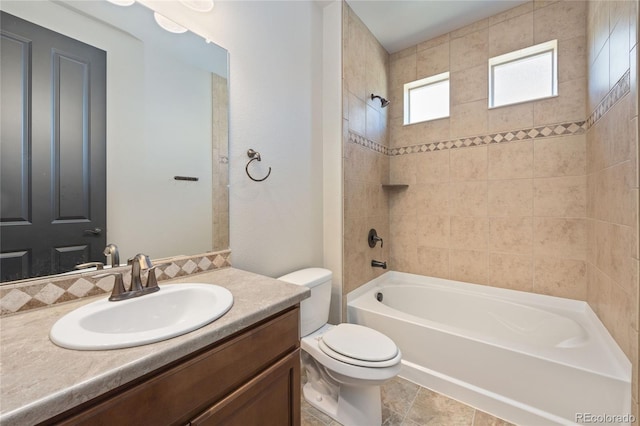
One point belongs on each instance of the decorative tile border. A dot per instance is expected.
(362, 141)
(621, 88)
(48, 291)
(617, 92)
(562, 129)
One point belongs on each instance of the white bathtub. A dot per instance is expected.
(528, 358)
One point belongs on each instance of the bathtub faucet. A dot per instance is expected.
(378, 264)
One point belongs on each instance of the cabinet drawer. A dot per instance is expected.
(270, 399)
(177, 394)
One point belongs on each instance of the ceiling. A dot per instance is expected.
(398, 24)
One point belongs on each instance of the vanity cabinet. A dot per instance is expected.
(249, 378)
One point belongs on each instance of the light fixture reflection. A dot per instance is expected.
(122, 2)
(168, 24)
(198, 5)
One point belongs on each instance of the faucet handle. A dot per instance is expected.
(98, 265)
(152, 281)
(118, 285)
(373, 238)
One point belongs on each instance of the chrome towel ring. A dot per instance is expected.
(255, 155)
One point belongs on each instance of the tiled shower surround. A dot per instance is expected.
(612, 175)
(540, 196)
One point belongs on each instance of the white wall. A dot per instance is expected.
(178, 141)
(276, 108)
(276, 225)
(332, 151)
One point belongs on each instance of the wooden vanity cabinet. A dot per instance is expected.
(265, 400)
(250, 378)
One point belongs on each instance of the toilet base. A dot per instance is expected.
(354, 405)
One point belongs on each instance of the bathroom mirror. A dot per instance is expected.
(166, 126)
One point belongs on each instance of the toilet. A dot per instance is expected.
(346, 363)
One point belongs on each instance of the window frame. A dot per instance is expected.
(428, 81)
(516, 55)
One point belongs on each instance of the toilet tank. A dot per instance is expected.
(314, 311)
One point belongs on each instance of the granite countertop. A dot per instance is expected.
(40, 380)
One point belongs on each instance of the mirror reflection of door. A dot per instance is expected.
(52, 151)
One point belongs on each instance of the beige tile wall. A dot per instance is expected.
(510, 214)
(612, 175)
(465, 52)
(555, 215)
(365, 70)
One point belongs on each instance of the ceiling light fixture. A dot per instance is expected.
(168, 24)
(198, 5)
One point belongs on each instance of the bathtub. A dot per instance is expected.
(527, 358)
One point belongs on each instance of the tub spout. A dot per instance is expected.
(378, 264)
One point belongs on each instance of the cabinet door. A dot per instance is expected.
(270, 399)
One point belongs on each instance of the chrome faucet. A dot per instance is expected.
(111, 250)
(378, 264)
(138, 263)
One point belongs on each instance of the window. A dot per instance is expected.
(524, 75)
(426, 99)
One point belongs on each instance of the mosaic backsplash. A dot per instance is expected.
(52, 290)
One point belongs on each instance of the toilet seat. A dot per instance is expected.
(358, 345)
(348, 372)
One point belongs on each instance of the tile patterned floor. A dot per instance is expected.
(407, 404)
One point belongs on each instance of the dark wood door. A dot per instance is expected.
(52, 151)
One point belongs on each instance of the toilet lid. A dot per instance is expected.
(358, 343)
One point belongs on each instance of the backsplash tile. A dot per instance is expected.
(42, 292)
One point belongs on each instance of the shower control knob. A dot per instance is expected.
(373, 238)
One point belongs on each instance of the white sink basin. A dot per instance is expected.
(174, 310)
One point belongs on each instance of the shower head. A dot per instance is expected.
(383, 101)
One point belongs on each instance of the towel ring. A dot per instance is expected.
(255, 155)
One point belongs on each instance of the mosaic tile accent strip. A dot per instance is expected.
(362, 141)
(552, 130)
(48, 291)
(562, 129)
(621, 88)
(617, 92)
